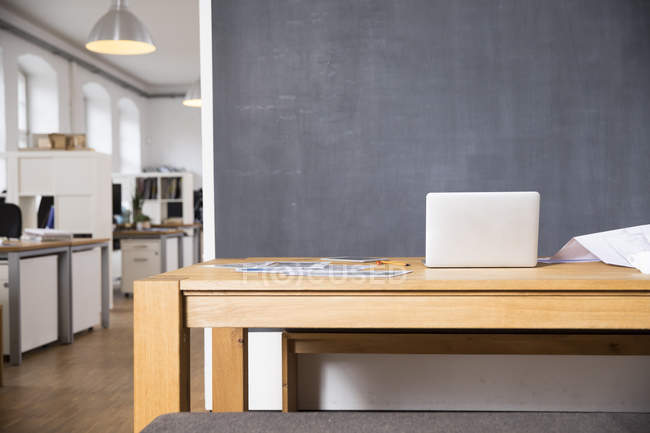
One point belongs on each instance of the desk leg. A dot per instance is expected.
(64, 261)
(289, 375)
(197, 245)
(161, 351)
(15, 349)
(180, 251)
(106, 287)
(229, 369)
(163, 255)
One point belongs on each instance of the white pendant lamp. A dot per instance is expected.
(120, 32)
(193, 96)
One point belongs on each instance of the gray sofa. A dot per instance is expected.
(401, 422)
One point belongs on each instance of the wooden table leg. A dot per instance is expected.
(289, 375)
(161, 351)
(229, 369)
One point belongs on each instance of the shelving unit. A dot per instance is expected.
(80, 184)
(78, 181)
(159, 191)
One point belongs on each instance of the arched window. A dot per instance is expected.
(38, 98)
(129, 136)
(99, 131)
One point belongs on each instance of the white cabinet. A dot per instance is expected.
(68, 173)
(140, 259)
(69, 214)
(188, 248)
(143, 256)
(86, 289)
(79, 181)
(38, 302)
(30, 184)
(171, 254)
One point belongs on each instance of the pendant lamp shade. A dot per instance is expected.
(120, 32)
(193, 96)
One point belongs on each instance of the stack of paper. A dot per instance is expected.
(311, 269)
(628, 247)
(46, 235)
(357, 273)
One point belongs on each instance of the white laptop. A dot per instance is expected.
(482, 229)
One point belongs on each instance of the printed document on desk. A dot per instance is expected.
(628, 247)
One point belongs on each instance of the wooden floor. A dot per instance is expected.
(86, 386)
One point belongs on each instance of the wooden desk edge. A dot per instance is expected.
(88, 241)
(31, 246)
(130, 234)
(188, 225)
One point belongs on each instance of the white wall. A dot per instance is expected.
(130, 137)
(70, 79)
(12, 49)
(173, 136)
(42, 93)
(174, 139)
(81, 76)
(99, 131)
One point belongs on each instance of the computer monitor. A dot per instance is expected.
(117, 199)
(44, 211)
(174, 210)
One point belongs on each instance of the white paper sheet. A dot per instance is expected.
(628, 247)
(268, 266)
(353, 259)
(237, 265)
(347, 273)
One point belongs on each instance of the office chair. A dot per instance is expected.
(11, 220)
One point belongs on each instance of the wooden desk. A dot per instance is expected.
(18, 250)
(573, 297)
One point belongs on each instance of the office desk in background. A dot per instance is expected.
(192, 231)
(574, 297)
(148, 252)
(40, 307)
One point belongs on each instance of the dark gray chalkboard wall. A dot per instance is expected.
(334, 118)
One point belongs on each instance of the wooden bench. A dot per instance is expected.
(447, 343)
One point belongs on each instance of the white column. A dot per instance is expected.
(205, 32)
(10, 70)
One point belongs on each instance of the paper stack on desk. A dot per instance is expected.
(628, 247)
(46, 235)
(311, 269)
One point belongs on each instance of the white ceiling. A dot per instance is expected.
(173, 24)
